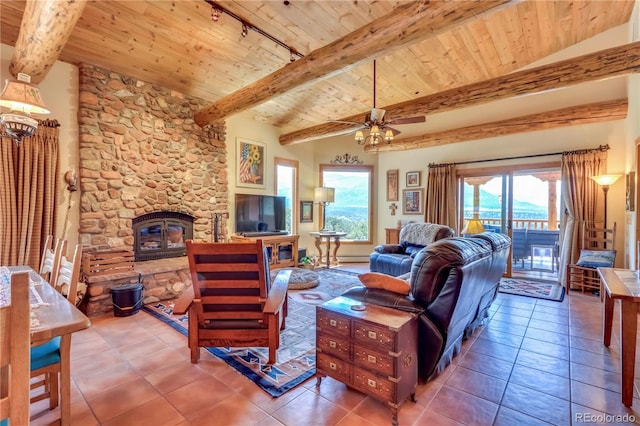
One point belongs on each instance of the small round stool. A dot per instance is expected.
(302, 278)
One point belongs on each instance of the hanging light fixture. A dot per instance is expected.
(377, 126)
(22, 98)
(374, 137)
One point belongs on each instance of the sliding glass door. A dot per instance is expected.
(523, 203)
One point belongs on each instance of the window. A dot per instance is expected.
(351, 211)
(287, 186)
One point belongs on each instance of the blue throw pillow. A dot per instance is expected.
(597, 258)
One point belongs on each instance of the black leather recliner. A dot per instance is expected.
(453, 283)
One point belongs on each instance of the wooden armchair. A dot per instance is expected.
(232, 301)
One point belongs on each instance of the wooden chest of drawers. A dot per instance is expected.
(373, 350)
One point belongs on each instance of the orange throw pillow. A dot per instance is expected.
(385, 282)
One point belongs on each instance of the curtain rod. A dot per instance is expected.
(601, 148)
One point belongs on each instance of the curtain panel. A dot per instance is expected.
(440, 198)
(28, 194)
(582, 199)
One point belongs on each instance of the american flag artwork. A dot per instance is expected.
(250, 167)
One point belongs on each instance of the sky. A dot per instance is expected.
(525, 188)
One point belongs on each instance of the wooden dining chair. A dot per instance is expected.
(50, 265)
(46, 359)
(14, 354)
(47, 254)
(597, 251)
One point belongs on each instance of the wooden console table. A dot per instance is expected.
(319, 236)
(283, 249)
(622, 284)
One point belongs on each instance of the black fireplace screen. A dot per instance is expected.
(161, 235)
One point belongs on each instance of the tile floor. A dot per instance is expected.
(535, 362)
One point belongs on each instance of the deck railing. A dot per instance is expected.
(519, 223)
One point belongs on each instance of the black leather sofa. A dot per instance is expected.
(453, 283)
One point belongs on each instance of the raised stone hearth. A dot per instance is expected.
(163, 279)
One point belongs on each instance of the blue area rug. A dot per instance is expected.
(296, 357)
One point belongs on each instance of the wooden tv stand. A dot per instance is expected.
(283, 249)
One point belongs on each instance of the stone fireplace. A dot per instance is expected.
(141, 153)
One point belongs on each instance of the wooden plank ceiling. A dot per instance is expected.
(176, 44)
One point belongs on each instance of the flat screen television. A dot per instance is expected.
(260, 214)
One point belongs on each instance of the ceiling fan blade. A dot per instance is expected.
(408, 120)
(377, 114)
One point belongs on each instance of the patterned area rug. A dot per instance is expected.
(296, 357)
(539, 290)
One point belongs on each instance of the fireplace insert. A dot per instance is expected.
(161, 235)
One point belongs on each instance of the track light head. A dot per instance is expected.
(245, 30)
(215, 14)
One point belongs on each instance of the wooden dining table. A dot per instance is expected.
(52, 315)
(623, 285)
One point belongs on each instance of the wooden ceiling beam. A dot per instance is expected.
(44, 30)
(408, 23)
(612, 62)
(582, 114)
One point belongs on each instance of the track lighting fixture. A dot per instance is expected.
(217, 11)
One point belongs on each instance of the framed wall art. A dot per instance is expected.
(392, 185)
(251, 167)
(306, 211)
(412, 201)
(413, 179)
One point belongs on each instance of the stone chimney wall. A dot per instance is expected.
(141, 152)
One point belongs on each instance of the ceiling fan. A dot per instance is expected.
(379, 129)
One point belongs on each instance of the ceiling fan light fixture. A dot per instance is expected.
(359, 137)
(388, 136)
(375, 131)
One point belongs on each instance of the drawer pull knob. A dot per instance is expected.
(333, 366)
(371, 383)
(372, 334)
(333, 323)
(332, 344)
(372, 359)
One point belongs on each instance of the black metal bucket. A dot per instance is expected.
(127, 299)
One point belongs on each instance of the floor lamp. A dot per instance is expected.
(605, 181)
(324, 196)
